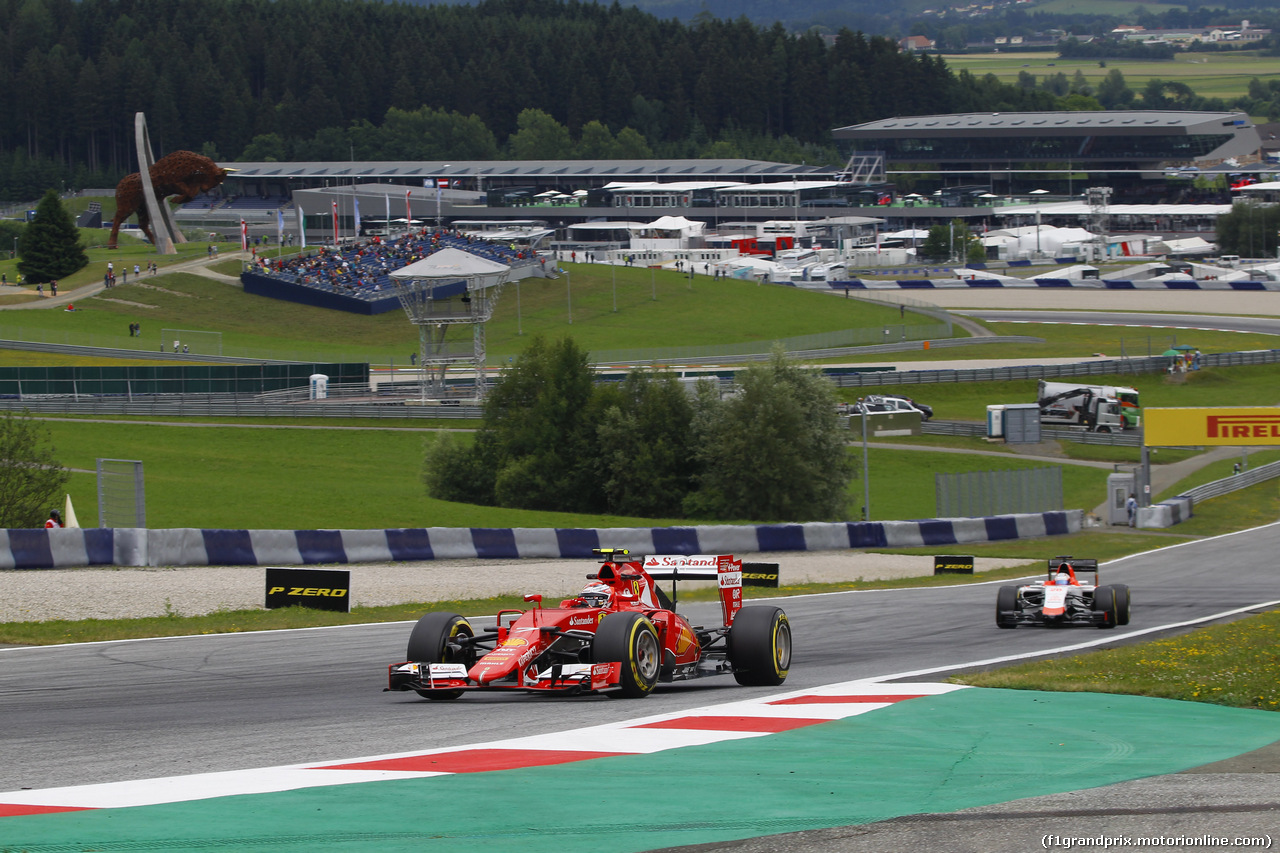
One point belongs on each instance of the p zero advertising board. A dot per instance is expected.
(319, 589)
(1239, 427)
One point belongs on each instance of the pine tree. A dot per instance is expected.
(50, 247)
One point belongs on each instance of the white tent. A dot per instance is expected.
(453, 264)
(667, 233)
(1186, 246)
(675, 223)
(1046, 239)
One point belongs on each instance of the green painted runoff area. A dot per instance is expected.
(968, 748)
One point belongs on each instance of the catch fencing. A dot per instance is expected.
(975, 494)
(1101, 367)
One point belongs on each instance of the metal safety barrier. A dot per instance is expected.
(969, 428)
(1233, 483)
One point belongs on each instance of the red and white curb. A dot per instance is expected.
(694, 727)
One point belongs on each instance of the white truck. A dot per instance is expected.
(1130, 406)
(1081, 407)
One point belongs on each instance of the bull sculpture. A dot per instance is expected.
(182, 173)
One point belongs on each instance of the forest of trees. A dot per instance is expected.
(523, 79)
(214, 75)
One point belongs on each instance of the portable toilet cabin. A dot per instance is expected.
(1022, 423)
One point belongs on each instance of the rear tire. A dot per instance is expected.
(760, 646)
(630, 639)
(429, 643)
(1006, 600)
(1104, 601)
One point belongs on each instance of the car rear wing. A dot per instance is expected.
(722, 568)
(706, 568)
(1078, 564)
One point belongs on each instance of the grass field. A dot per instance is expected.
(305, 478)
(337, 475)
(1210, 75)
(1233, 664)
(296, 476)
(706, 311)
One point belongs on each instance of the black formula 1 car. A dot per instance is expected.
(621, 635)
(1063, 599)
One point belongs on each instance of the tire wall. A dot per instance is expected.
(53, 549)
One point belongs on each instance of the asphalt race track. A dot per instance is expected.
(1253, 325)
(132, 710)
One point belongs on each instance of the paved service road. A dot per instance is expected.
(143, 709)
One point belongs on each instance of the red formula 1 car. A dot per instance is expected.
(620, 635)
(1063, 599)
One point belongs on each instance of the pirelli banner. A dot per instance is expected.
(319, 589)
(1237, 427)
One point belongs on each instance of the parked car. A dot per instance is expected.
(890, 403)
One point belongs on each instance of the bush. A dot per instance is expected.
(554, 439)
(772, 452)
(31, 479)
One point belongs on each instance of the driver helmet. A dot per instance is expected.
(596, 595)
(1063, 577)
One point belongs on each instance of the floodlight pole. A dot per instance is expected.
(613, 268)
(653, 280)
(569, 290)
(519, 330)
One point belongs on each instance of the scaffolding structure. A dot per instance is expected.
(1098, 199)
(448, 289)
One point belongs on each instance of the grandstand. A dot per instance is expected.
(356, 277)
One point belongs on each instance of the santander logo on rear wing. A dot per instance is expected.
(723, 569)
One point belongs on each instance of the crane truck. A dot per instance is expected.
(1130, 406)
(1080, 406)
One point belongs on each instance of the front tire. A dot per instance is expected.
(760, 646)
(1104, 601)
(630, 639)
(429, 643)
(1122, 603)
(1006, 600)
